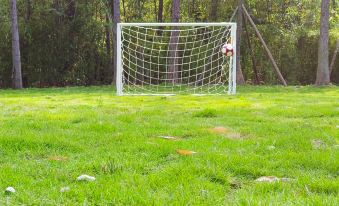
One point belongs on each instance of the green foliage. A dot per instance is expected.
(60, 46)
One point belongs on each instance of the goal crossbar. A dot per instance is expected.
(179, 24)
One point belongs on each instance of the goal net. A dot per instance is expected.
(175, 58)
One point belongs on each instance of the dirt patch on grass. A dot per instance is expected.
(219, 130)
(58, 158)
(318, 144)
(226, 132)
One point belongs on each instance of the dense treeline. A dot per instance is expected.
(70, 42)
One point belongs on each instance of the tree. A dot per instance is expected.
(323, 71)
(160, 10)
(16, 75)
(70, 11)
(28, 11)
(160, 16)
(240, 76)
(173, 44)
(116, 19)
(334, 57)
(214, 9)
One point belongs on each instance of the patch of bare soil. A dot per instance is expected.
(226, 132)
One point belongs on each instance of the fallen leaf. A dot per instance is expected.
(269, 179)
(151, 143)
(234, 135)
(86, 178)
(169, 137)
(65, 189)
(271, 147)
(58, 158)
(185, 152)
(286, 179)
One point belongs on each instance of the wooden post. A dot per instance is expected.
(254, 62)
(334, 57)
(269, 54)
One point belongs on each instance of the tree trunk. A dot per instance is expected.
(160, 10)
(16, 75)
(160, 16)
(71, 9)
(193, 12)
(108, 39)
(28, 11)
(335, 53)
(27, 37)
(214, 10)
(323, 70)
(116, 20)
(240, 76)
(155, 10)
(173, 44)
(139, 10)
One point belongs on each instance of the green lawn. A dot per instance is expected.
(48, 137)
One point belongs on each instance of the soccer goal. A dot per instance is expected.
(175, 58)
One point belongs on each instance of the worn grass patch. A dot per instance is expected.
(49, 137)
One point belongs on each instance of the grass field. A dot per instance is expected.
(48, 137)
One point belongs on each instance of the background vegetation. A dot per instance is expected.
(68, 42)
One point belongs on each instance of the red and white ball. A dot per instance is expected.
(227, 50)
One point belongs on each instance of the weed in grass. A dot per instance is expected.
(111, 167)
(206, 113)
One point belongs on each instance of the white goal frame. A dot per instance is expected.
(232, 64)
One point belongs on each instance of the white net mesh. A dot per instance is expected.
(174, 59)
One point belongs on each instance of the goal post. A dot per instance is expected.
(175, 58)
